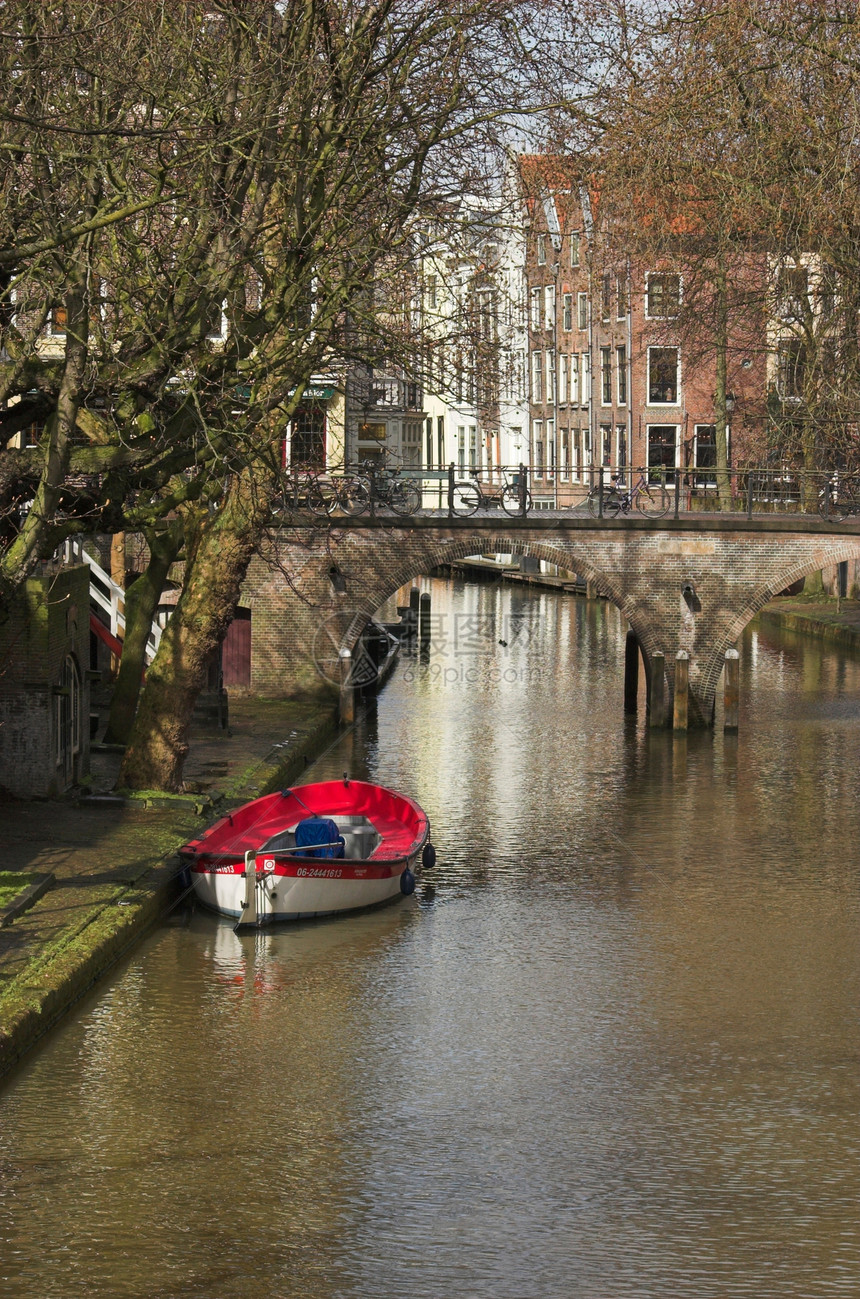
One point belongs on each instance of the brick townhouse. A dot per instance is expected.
(613, 379)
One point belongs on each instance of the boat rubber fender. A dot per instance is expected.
(428, 857)
(407, 883)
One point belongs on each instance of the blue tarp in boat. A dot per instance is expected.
(318, 830)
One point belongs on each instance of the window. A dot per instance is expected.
(582, 310)
(586, 447)
(521, 375)
(432, 299)
(307, 443)
(412, 430)
(541, 250)
(414, 396)
(792, 369)
(620, 297)
(535, 308)
(473, 447)
(621, 371)
(663, 376)
(537, 376)
(562, 378)
(461, 448)
(549, 307)
(606, 376)
(663, 297)
(574, 379)
(584, 393)
(662, 451)
(574, 248)
(605, 296)
(488, 315)
(385, 391)
(606, 443)
(550, 378)
(574, 453)
(537, 433)
(704, 457)
(565, 455)
(550, 448)
(793, 292)
(621, 443)
(567, 311)
(429, 451)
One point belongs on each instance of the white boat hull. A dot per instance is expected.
(324, 888)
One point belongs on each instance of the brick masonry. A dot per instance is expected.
(44, 643)
(733, 568)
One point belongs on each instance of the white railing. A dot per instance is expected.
(110, 597)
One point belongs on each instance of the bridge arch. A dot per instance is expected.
(404, 567)
(839, 550)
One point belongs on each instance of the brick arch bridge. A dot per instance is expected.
(336, 577)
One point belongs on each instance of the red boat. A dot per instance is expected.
(338, 845)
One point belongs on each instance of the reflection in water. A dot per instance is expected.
(610, 1050)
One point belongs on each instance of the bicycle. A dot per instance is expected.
(650, 499)
(472, 495)
(307, 488)
(372, 485)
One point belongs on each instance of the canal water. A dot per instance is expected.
(610, 1051)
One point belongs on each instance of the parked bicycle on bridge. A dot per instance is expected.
(508, 490)
(650, 499)
(374, 485)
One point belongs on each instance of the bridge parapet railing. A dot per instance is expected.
(600, 490)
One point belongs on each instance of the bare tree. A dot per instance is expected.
(239, 172)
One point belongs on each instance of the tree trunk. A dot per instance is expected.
(141, 602)
(218, 559)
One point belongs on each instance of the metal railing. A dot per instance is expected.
(598, 490)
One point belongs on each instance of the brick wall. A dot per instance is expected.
(47, 626)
